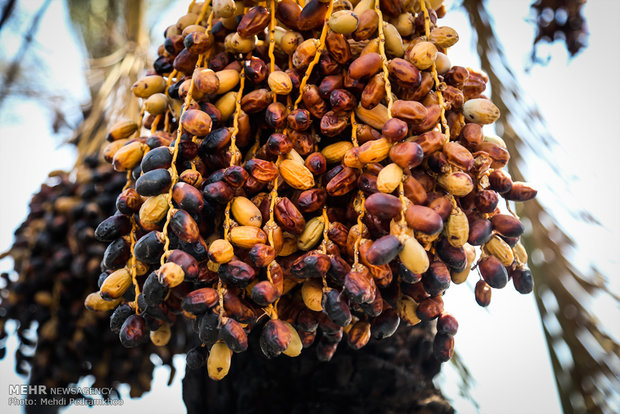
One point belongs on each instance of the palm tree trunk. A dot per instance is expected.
(393, 375)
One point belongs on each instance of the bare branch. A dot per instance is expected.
(7, 10)
(13, 70)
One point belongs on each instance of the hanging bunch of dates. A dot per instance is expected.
(559, 20)
(56, 259)
(317, 172)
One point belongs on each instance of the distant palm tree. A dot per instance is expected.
(588, 383)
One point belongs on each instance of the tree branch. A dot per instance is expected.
(7, 10)
(13, 70)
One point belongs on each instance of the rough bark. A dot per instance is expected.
(393, 375)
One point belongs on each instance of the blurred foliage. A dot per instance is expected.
(56, 258)
(7, 9)
(100, 24)
(110, 78)
(108, 30)
(589, 376)
(12, 69)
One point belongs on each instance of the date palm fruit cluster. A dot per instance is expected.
(314, 171)
(560, 20)
(57, 258)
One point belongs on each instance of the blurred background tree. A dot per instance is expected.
(560, 289)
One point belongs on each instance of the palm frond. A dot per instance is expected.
(110, 77)
(12, 71)
(584, 356)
